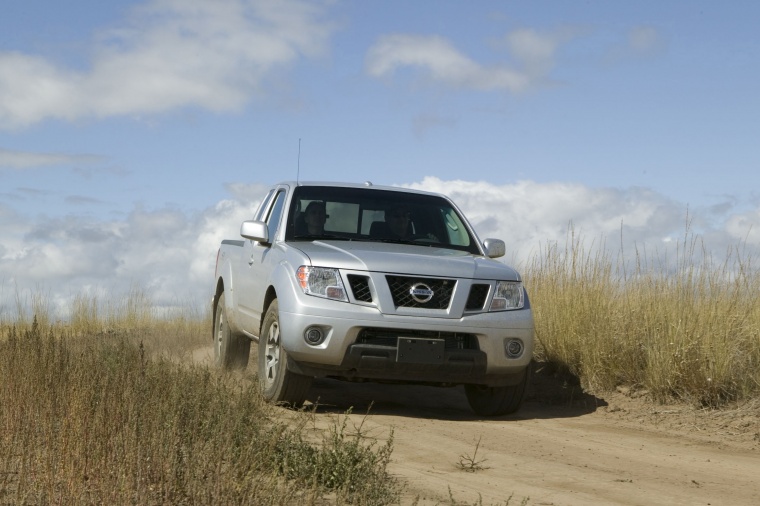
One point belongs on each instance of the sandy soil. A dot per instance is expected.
(564, 447)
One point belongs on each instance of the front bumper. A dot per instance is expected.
(474, 350)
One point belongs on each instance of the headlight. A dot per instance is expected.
(321, 282)
(509, 295)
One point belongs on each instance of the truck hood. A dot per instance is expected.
(404, 259)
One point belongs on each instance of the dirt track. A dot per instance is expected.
(563, 448)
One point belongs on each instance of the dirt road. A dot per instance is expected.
(563, 448)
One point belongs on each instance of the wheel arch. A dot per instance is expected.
(268, 298)
(215, 303)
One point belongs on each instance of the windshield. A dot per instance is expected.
(366, 214)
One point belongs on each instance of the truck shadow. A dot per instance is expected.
(549, 395)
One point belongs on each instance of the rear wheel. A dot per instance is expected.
(278, 384)
(231, 351)
(495, 401)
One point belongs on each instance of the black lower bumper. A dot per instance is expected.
(384, 364)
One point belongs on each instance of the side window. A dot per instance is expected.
(273, 220)
(263, 206)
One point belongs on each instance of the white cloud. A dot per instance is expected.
(246, 191)
(171, 53)
(167, 253)
(171, 254)
(745, 227)
(27, 160)
(442, 62)
(529, 216)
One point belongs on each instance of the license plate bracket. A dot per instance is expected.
(420, 350)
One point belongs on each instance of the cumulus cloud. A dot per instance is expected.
(532, 52)
(171, 254)
(170, 54)
(167, 253)
(530, 216)
(745, 226)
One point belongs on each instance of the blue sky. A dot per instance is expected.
(135, 134)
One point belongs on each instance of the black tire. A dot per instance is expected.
(231, 351)
(278, 384)
(496, 401)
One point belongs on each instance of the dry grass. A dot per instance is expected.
(682, 329)
(95, 411)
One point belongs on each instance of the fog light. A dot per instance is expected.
(513, 347)
(314, 336)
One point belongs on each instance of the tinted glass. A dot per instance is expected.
(273, 220)
(323, 212)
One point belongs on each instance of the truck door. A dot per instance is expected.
(254, 273)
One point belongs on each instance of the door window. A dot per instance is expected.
(273, 220)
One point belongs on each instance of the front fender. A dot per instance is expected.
(284, 284)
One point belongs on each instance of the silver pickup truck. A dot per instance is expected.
(366, 283)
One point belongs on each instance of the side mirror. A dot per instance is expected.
(255, 231)
(495, 248)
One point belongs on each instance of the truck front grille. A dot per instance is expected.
(389, 337)
(401, 291)
(360, 287)
(477, 298)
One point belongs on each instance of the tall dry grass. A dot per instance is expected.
(89, 415)
(95, 408)
(682, 327)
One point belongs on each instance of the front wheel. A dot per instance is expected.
(495, 401)
(231, 351)
(278, 384)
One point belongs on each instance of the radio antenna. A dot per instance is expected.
(298, 167)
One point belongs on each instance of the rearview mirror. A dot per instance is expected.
(495, 248)
(255, 231)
